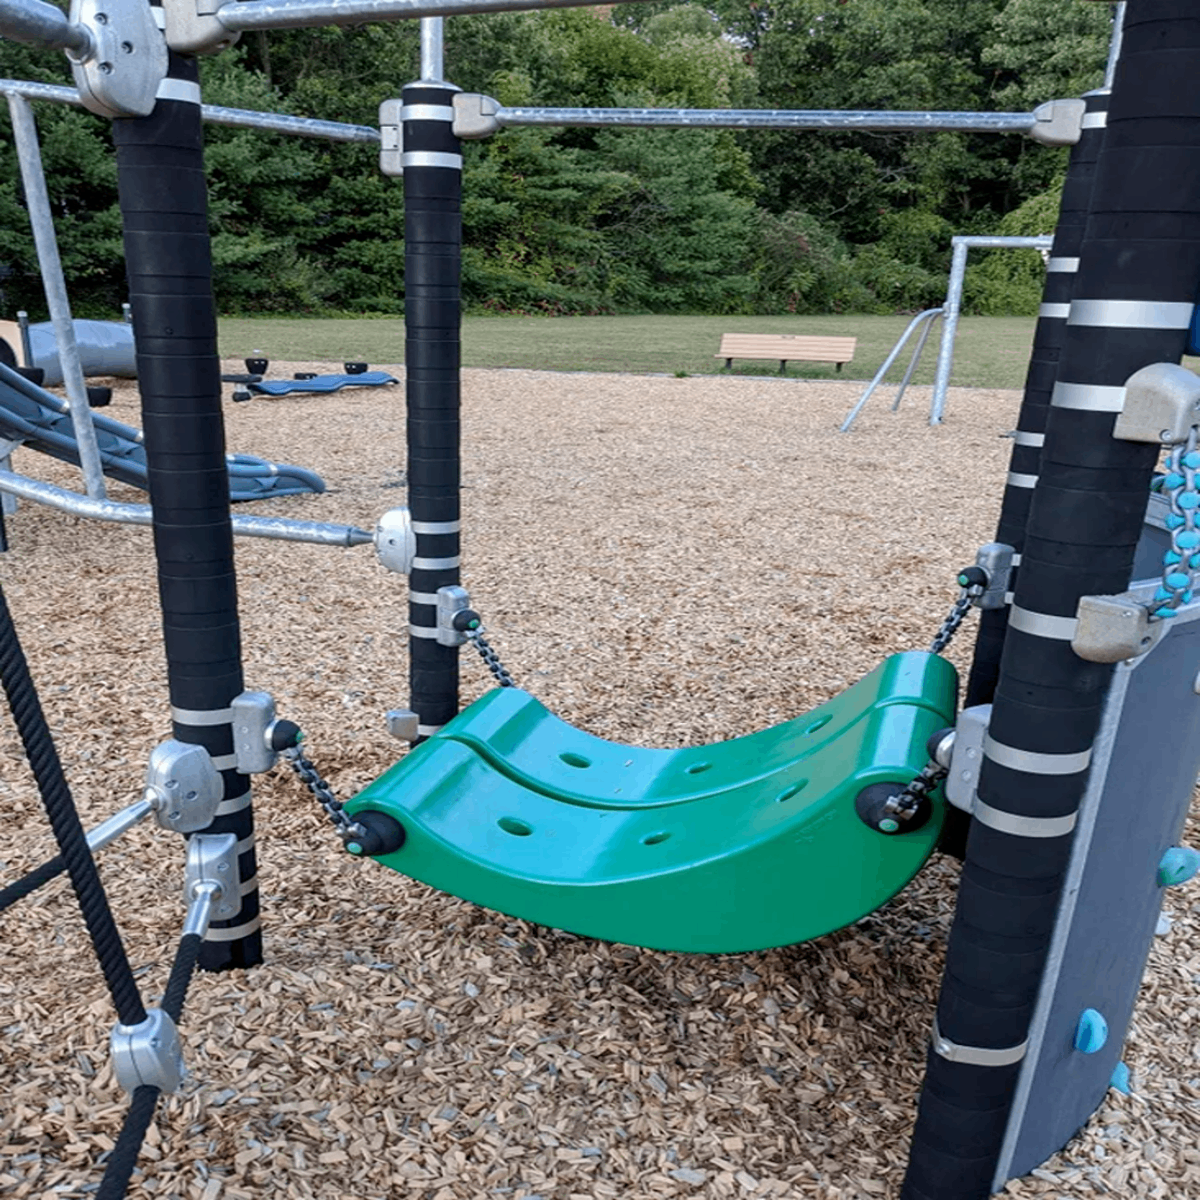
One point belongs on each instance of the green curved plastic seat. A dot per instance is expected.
(735, 846)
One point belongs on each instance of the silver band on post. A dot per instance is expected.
(178, 89)
(1017, 479)
(1023, 437)
(1059, 629)
(428, 598)
(1094, 120)
(428, 730)
(234, 804)
(431, 158)
(1065, 264)
(437, 564)
(200, 717)
(1033, 763)
(423, 631)
(234, 933)
(976, 1056)
(1058, 312)
(1131, 314)
(426, 112)
(436, 526)
(1088, 397)
(1019, 826)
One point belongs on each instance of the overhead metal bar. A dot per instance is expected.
(215, 114)
(770, 118)
(301, 14)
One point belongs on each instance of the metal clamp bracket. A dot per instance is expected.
(391, 140)
(451, 599)
(1162, 405)
(119, 72)
(395, 541)
(148, 1053)
(258, 736)
(475, 116)
(1112, 629)
(966, 756)
(183, 786)
(211, 882)
(996, 559)
(403, 724)
(1058, 122)
(194, 28)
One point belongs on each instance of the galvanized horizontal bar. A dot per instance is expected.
(304, 14)
(215, 114)
(277, 528)
(767, 118)
(1038, 241)
(39, 24)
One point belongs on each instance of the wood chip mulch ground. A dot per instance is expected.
(663, 561)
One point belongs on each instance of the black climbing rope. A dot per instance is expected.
(64, 820)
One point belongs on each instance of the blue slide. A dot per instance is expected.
(42, 421)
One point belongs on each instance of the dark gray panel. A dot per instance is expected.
(1143, 806)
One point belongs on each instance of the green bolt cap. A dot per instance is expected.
(354, 847)
(889, 825)
(1178, 865)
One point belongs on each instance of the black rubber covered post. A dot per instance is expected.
(1048, 337)
(432, 320)
(1133, 298)
(164, 209)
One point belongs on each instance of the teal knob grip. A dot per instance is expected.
(1178, 865)
(1120, 1078)
(1091, 1033)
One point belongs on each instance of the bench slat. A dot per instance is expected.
(787, 346)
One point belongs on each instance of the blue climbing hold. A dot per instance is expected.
(1163, 594)
(1091, 1033)
(1173, 481)
(1173, 521)
(1120, 1079)
(1164, 613)
(1178, 865)
(1188, 538)
(1192, 459)
(1171, 558)
(1178, 579)
(1188, 500)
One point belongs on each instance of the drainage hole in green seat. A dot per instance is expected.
(696, 768)
(652, 839)
(818, 724)
(791, 790)
(575, 760)
(515, 827)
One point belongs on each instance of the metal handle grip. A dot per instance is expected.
(39, 24)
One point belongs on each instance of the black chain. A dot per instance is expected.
(346, 826)
(972, 583)
(904, 805)
(490, 658)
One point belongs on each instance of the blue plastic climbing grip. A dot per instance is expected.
(1178, 865)
(1091, 1033)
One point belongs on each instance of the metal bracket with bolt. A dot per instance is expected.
(183, 786)
(395, 541)
(259, 737)
(211, 884)
(147, 1054)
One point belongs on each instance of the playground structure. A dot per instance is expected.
(948, 314)
(1016, 1063)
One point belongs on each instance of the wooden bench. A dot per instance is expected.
(786, 347)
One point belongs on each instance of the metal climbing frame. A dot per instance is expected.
(949, 312)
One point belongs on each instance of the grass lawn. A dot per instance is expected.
(990, 351)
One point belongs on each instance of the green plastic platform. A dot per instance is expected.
(737, 846)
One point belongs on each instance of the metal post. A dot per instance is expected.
(432, 162)
(41, 24)
(929, 315)
(432, 50)
(952, 306)
(916, 357)
(164, 211)
(950, 311)
(40, 218)
(1114, 45)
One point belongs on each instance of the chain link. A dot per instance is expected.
(1181, 487)
(346, 826)
(904, 805)
(490, 658)
(953, 620)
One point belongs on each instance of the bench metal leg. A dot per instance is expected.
(729, 364)
(839, 366)
(782, 365)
